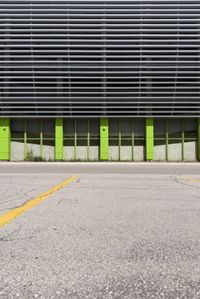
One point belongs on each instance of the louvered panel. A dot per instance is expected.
(99, 58)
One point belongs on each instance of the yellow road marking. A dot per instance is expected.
(11, 215)
(194, 181)
(190, 180)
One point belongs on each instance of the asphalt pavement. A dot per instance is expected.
(120, 230)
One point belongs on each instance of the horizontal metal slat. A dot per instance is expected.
(89, 51)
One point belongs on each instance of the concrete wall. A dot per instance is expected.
(160, 152)
(139, 153)
(68, 153)
(126, 153)
(48, 153)
(33, 151)
(113, 153)
(82, 153)
(94, 153)
(175, 152)
(17, 151)
(190, 151)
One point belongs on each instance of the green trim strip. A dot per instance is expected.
(120, 139)
(182, 140)
(75, 140)
(88, 140)
(167, 141)
(25, 141)
(133, 140)
(59, 139)
(41, 140)
(198, 138)
(5, 139)
(104, 137)
(149, 139)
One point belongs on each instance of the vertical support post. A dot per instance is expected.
(41, 140)
(75, 139)
(104, 136)
(133, 140)
(167, 141)
(88, 140)
(182, 140)
(120, 139)
(149, 139)
(25, 140)
(59, 139)
(198, 138)
(5, 139)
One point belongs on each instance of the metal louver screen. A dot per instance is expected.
(99, 58)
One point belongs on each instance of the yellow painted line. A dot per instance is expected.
(190, 180)
(11, 215)
(194, 181)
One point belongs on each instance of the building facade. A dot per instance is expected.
(89, 80)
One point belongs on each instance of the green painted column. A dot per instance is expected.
(59, 139)
(104, 137)
(198, 137)
(149, 139)
(4, 139)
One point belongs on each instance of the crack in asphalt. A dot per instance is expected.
(177, 180)
(5, 238)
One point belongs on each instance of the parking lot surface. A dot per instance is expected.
(115, 231)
